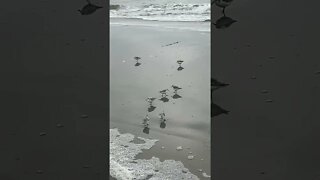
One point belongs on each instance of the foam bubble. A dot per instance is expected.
(124, 166)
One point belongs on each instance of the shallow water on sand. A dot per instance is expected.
(188, 117)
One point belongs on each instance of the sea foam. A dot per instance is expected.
(124, 165)
(164, 12)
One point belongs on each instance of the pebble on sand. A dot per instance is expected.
(179, 148)
(39, 171)
(59, 125)
(205, 175)
(190, 157)
(84, 116)
(86, 166)
(269, 100)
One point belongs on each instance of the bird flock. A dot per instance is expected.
(162, 116)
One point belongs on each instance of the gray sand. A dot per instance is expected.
(50, 76)
(279, 138)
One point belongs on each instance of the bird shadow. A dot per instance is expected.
(89, 8)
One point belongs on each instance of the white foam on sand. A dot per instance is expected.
(124, 165)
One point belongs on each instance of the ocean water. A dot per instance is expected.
(124, 165)
(162, 10)
(184, 14)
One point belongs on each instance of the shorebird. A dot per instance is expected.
(137, 58)
(89, 8)
(224, 22)
(176, 87)
(162, 116)
(164, 91)
(222, 4)
(145, 121)
(215, 84)
(179, 62)
(150, 99)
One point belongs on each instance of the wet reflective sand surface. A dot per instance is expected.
(158, 99)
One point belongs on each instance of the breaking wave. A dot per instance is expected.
(163, 12)
(124, 165)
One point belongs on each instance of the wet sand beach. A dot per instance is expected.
(187, 112)
(270, 59)
(55, 71)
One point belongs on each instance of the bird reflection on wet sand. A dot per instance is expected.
(176, 96)
(217, 110)
(163, 125)
(151, 108)
(89, 8)
(215, 84)
(146, 130)
(224, 22)
(164, 99)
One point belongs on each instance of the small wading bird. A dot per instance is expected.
(162, 116)
(179, 62)
(164, 92)
(89, 8)
(137, 58)
(222, 4)
(150, 100)
(176, 88)
(145, 121)
(162, 120)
